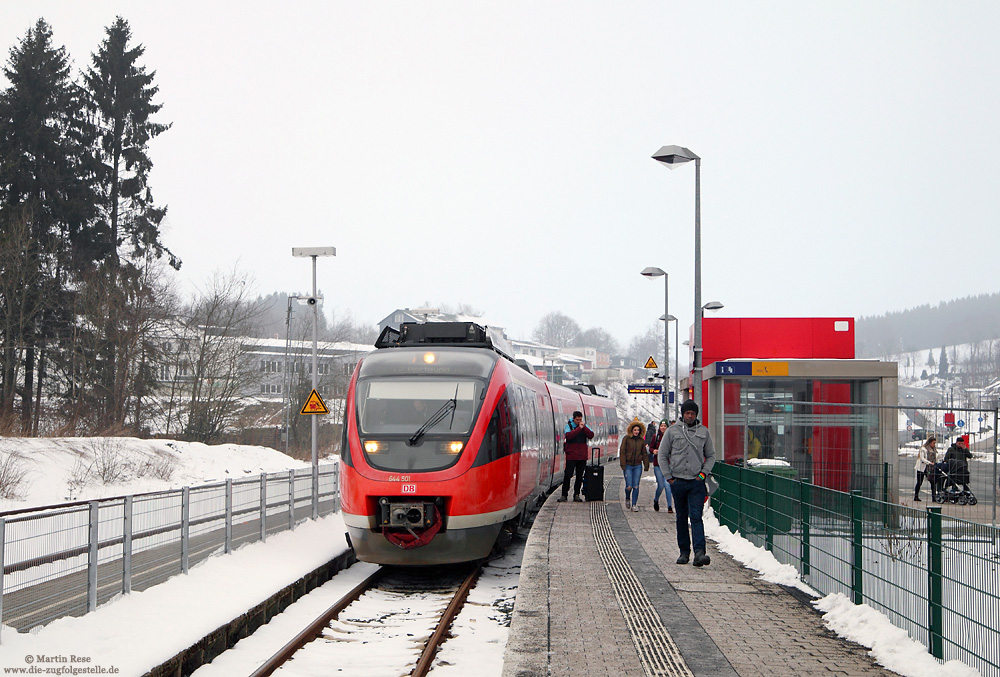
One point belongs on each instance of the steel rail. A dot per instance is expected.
(437, 638)
(315, 629)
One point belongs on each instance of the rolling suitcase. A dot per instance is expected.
(593, 479)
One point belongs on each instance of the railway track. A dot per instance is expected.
(405, 612)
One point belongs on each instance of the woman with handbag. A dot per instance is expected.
(926, 458)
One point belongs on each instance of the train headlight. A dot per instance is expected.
(429, 358)
(453, 447)
(373, 447)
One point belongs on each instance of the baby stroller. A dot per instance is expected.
(952, 484)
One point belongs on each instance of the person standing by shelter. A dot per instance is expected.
(661, 481)
(926, 458)
(687, 455)
(634, 458)
(575, 437)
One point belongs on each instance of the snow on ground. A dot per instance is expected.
(137, 632)
(889, 645)
(56, 470)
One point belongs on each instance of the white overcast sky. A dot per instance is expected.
(497, 154)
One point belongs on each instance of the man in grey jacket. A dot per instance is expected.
(687, 455)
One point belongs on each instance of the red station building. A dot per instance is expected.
(791, 389)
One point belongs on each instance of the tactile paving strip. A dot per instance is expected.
(657, 651)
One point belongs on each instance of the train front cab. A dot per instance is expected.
(419, 496)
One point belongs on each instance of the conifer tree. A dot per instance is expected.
(46, 205)
(943, 363)
(120, 101)
(120, 95)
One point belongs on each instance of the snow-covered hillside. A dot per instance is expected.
(43, 471)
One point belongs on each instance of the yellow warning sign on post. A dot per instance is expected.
(650, 363)
(314, 404)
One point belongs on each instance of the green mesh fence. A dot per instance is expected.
(936, 577)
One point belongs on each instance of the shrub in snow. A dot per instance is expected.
(12, 476)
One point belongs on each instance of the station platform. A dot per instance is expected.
(600, 594)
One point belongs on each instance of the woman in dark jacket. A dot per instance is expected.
(661, 482)
(633, 457)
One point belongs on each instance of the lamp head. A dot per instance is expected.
(671, 156)
(651, 272)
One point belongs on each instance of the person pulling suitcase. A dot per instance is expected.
(575, 438)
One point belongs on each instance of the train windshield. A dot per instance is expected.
(408, 406)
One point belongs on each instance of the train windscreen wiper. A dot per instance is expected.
(435, 418)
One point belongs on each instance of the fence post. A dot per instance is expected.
(185, 527)
(805, 505)
(934, 587)
(768, 511)
(858, 550)
(887, 512)
(741, 476)
(229, 516)
(3, 540)
(127, 547)
(95, 514)
(263, 506)
(291, 499)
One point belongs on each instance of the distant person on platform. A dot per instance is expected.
(575, 437)
(661, 481)
(633, 455)
(687, 455)
(926, 458)
(650, 435)
(957, 458)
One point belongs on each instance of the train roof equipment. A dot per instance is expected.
(455, 334)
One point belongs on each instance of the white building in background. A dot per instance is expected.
(283, 365)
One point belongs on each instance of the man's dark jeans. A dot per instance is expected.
(574, 466)
(689, 497)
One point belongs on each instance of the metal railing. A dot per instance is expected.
(931, 575)
(66, 560)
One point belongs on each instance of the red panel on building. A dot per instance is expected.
(777, 338)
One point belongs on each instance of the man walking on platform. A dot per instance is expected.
(575, 438)
(686, 456)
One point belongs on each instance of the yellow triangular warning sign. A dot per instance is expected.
(650, 363)
(314, 404)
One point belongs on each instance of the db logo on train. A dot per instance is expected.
(409, 488)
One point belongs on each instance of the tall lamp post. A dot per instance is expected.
(667, 319)
(314, 253)
(671, 156)
(650, 273)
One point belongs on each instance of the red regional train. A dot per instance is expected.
(448, 445)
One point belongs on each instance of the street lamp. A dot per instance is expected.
(671, 156)
(650, 273)
(667, 319)
(314, 253)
